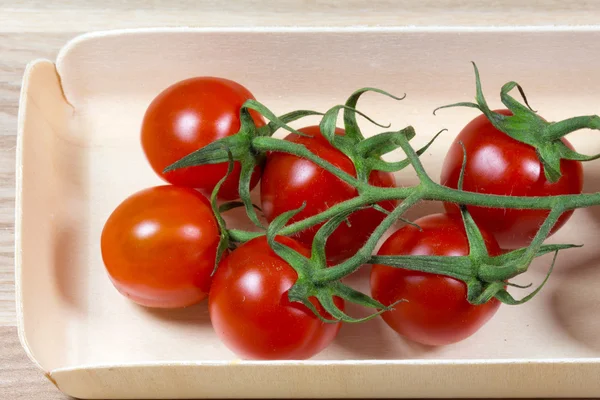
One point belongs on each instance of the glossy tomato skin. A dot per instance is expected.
(188, 116)
(437, 311)
(250, 310)
(159, 247)
(288, 181)
(499, 164)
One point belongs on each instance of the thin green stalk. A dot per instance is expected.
(434, 191)
(567, 202)
(460, 267)
(541, 235)
(559, 129)
(241, 236)
(414, 159)
(508, 271)
(364, 254)
(265, 144)
(354, 203)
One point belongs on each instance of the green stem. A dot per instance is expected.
(241, 236)
(459, 267)
(557, 130)
(381, 165)
(413, 158)
(370, 196)
(541, 235)
(567, 202)
(381, 144)
(364, 254)
(502, 273)
(434, 191)
(265, 144)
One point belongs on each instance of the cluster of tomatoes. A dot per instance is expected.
(159, 245)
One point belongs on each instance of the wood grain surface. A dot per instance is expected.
(31, 29)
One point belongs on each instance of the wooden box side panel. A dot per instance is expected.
(48, 190)
(362, 380)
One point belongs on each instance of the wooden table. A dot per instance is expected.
(31, 29)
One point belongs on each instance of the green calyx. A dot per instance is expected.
(224, 239)
(485, 276)
(363, 152)
(239, 148)
(308, 286)
(527, 127)
(247, 145)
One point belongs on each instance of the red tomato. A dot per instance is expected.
(159, 247)
(437, 311)
(499, 164)
(288, 181)
(250, 310)
(188, 116)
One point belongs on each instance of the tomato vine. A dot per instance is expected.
(486, 276)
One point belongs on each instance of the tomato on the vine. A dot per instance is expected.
(251, 312)
(187, 116)
(499, 164)
(159, 247)
(437, 311)
(288, 181)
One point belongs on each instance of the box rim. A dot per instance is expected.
(18, 207)
(308, 363)
(92, 35)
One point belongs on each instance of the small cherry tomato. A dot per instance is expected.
(250, 310)
(289, 181)
(159, 247)
(188, 116)
(499, 164)
(437, 311)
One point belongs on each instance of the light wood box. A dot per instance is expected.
(79, 156)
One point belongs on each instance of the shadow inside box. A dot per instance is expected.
(576, 299)
(70, 221)
(68, 271)
(383, 342)
(575, 303)
(374, 340)
(192, 315)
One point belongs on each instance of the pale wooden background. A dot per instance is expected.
(31, 29)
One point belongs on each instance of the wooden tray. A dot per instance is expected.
(79, 155)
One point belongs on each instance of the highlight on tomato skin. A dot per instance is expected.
(436, 311)
(499, 164)
(159, 247)
(289, 181)
(250, 310)
(187, 116)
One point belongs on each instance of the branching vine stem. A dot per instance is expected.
(486, 276)
(364, 254)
